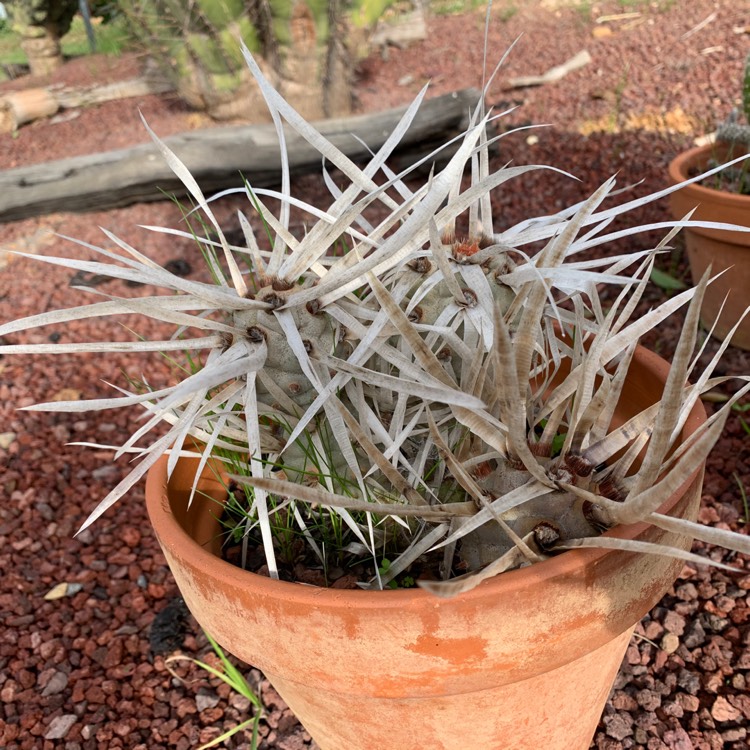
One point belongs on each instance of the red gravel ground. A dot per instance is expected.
(80, 672)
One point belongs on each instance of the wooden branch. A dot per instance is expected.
(19, 107)
(709, 19)
(553, 74)
(618, 17)
(217, 157)
(85, 97)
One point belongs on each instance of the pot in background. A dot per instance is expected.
(526, 660)
(719, 249)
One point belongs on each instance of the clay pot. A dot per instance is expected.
(524, 661)
(719, 249)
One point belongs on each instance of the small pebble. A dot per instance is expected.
(206, 699)
(57, 683)
(7, 439)
(670, 643)
(59, 727)
(723, 711)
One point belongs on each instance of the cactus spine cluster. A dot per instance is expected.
(427, 303)
(441, 387)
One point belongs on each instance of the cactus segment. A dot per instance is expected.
(220, 13)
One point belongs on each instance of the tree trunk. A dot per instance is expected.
(43, 51)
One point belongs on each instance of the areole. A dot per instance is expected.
(524, 661)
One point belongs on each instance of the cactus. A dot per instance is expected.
(197, 45)
(423, 308)
(194, 44)
(733, 131)
(733, 135)
(431, 388)
(41, 24)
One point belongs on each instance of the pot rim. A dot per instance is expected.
(696, 157)
(172, 535)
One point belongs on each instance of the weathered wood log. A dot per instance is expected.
(19, 107)
(218, 158)
(86, 96)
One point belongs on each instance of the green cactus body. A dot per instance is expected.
(316, 330)
(285, 10)
(733, 131)
(369, 11)
(428, 301)
(427, 309)
(197, 45)
(734, 135)
(240, 30)
(208, 53)
(220, 13)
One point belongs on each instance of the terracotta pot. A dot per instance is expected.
(720, 250)
(524, 661)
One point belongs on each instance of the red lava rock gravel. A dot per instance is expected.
(88, 670)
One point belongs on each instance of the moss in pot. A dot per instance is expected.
(442, 396)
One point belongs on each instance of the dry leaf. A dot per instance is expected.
(58, 591)
(61, 590)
